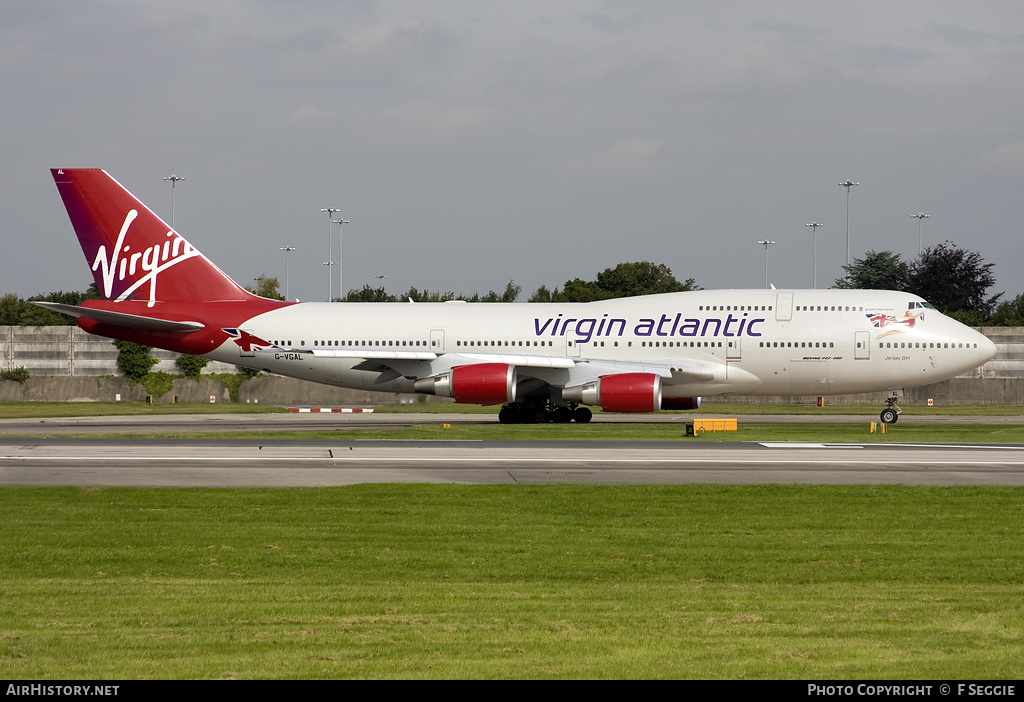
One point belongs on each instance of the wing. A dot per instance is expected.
(499, 378)
(122, 319)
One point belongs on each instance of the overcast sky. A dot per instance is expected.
(470, 143)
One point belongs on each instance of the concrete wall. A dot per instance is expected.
(70, 351)
(67, 363)
(998, 382)
(273, 390)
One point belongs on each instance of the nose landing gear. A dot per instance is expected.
(891, 413)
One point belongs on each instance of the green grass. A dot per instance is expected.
(449, 581)
(22, 410)
(467, 430)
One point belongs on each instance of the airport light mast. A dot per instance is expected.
(287, 250)
(848, 184)
(330, 251)
(920, 217)
(766, 244)
(814, 251)
(174, 179)
(341, 257)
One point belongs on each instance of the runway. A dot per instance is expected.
(297, 463)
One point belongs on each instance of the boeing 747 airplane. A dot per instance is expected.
(541, 362)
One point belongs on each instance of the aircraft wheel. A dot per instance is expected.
(508, 415)
(582, 415)
(561, 415)
(889, 416)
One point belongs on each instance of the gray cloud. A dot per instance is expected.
(469, 144)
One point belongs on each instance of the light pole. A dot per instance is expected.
(174, 179)
(330, 251)
(341, 258)
(848, 184)
(920, 217)
(814, 251)
(287, 250)
(330, 277)
(766, 244)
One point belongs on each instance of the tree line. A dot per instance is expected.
(624, 280)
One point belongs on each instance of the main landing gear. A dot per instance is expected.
(891, 413)
(542, 413)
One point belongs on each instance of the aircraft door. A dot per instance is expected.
(784, 307)
(437, 340)
(862, 345)
(735, 349)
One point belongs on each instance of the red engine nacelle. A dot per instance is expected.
(622, 392)
(630, 392)
(481, 384)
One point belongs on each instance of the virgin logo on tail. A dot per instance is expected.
(125, 263)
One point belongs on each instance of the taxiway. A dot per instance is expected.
(40, 456)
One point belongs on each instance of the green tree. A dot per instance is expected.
(511, 294)
(191, 366)
(1009, 314)
(426, 296)
(33, 315)
(369, 294)
(578, 290)
(954, 280)
(640, 278)
(11, 308)
(542, 294)
(624, 280)
(266, 286)
(878, 270)
(134, 360)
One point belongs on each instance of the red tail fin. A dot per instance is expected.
(134, 255)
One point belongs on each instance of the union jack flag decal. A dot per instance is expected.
(880, 320)
(246, 341)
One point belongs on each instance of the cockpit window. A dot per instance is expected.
(914, 305)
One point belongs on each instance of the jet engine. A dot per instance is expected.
(622, 392)
(481, 384)
(680, 403)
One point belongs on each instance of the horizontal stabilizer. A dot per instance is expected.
(121, 319)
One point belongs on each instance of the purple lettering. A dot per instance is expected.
(664, 319)
(645, 328)
(538, 328)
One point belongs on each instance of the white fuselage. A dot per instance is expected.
(704, 343)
